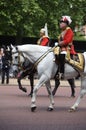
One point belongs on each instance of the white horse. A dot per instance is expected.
(47, 69)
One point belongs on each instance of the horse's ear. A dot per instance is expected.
(11, 46)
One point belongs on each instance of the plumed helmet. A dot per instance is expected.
(42, 30)
(66, 19)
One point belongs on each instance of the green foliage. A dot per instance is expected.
(26, 17)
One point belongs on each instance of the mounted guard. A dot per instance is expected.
(66, 51)
(44, 39)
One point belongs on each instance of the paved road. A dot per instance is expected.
(15, 113)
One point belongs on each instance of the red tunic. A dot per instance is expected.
(67, 37)
(44, 41)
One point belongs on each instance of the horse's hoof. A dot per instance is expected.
(50, 109)
(24, 90)
(72, 110)
(33, 108)
(30, 94)
(73, 96)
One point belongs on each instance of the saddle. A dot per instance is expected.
(77, 60)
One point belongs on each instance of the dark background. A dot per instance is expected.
(80, 46)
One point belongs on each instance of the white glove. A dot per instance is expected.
(56, 43)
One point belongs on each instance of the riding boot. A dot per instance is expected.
(56, 60)
(61, 65)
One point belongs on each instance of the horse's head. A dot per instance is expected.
(18, 58)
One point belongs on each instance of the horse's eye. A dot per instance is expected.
(16, 57)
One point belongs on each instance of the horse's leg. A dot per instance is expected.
(50, 108)
(19, 78)
(41, 81)
(72, 85)
(71, 82)
(31, 77)
(57, 83)
(82, 93)
(75, 106)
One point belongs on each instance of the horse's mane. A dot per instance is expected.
(31, 47)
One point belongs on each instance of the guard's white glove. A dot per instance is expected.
(56, 43)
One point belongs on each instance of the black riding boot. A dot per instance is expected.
(61, 65)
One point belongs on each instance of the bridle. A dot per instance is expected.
(19, 61)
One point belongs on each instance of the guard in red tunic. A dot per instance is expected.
(44, 40)
(65, 41)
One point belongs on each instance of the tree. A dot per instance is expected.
(26, 17)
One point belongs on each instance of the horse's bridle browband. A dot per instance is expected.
(19, 53)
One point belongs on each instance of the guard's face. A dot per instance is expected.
(63, 25)
(41, 34)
